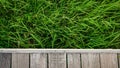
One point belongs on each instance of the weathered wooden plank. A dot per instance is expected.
(57, 60)
(20, 60)
(73, 60)
(59, 50)
(5, 60)
(90, 60)
(109, 60)
(38, 60)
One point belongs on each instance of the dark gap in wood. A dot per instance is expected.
(47, 60)
(11, 61)
(118, 60)
(66, 60)
(80, 61)
(99, 60)
(29, 60)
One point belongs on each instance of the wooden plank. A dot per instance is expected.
(5, 60)
(109, 60)
(57, 60)
(38, 60)
(74, 60)
(90, 60)
(59, 50)
(20, 60)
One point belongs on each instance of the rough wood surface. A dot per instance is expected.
(60, 58)
(73, 60)
(59, 50)
(57, 60)
(20, 60)
(90, 60)
(38, 60)
(109, 60)
(5, 60)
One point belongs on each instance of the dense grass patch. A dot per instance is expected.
(60, 23)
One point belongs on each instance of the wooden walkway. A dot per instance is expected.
(59, 58)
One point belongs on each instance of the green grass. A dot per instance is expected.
(59, 23)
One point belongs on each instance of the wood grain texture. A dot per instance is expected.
(90, 60)
(60, 50)
(109, 60)
(38, 60)
(73, 60)
(57, 60)
(20, 60)
(5, 60)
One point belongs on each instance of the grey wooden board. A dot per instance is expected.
(109, 60)
(5, 60)
(38, 60)
(73, 61)
(20, 60)
(57, 60)
(90, 60)
(59, 50)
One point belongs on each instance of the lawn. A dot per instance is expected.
(60, 24)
